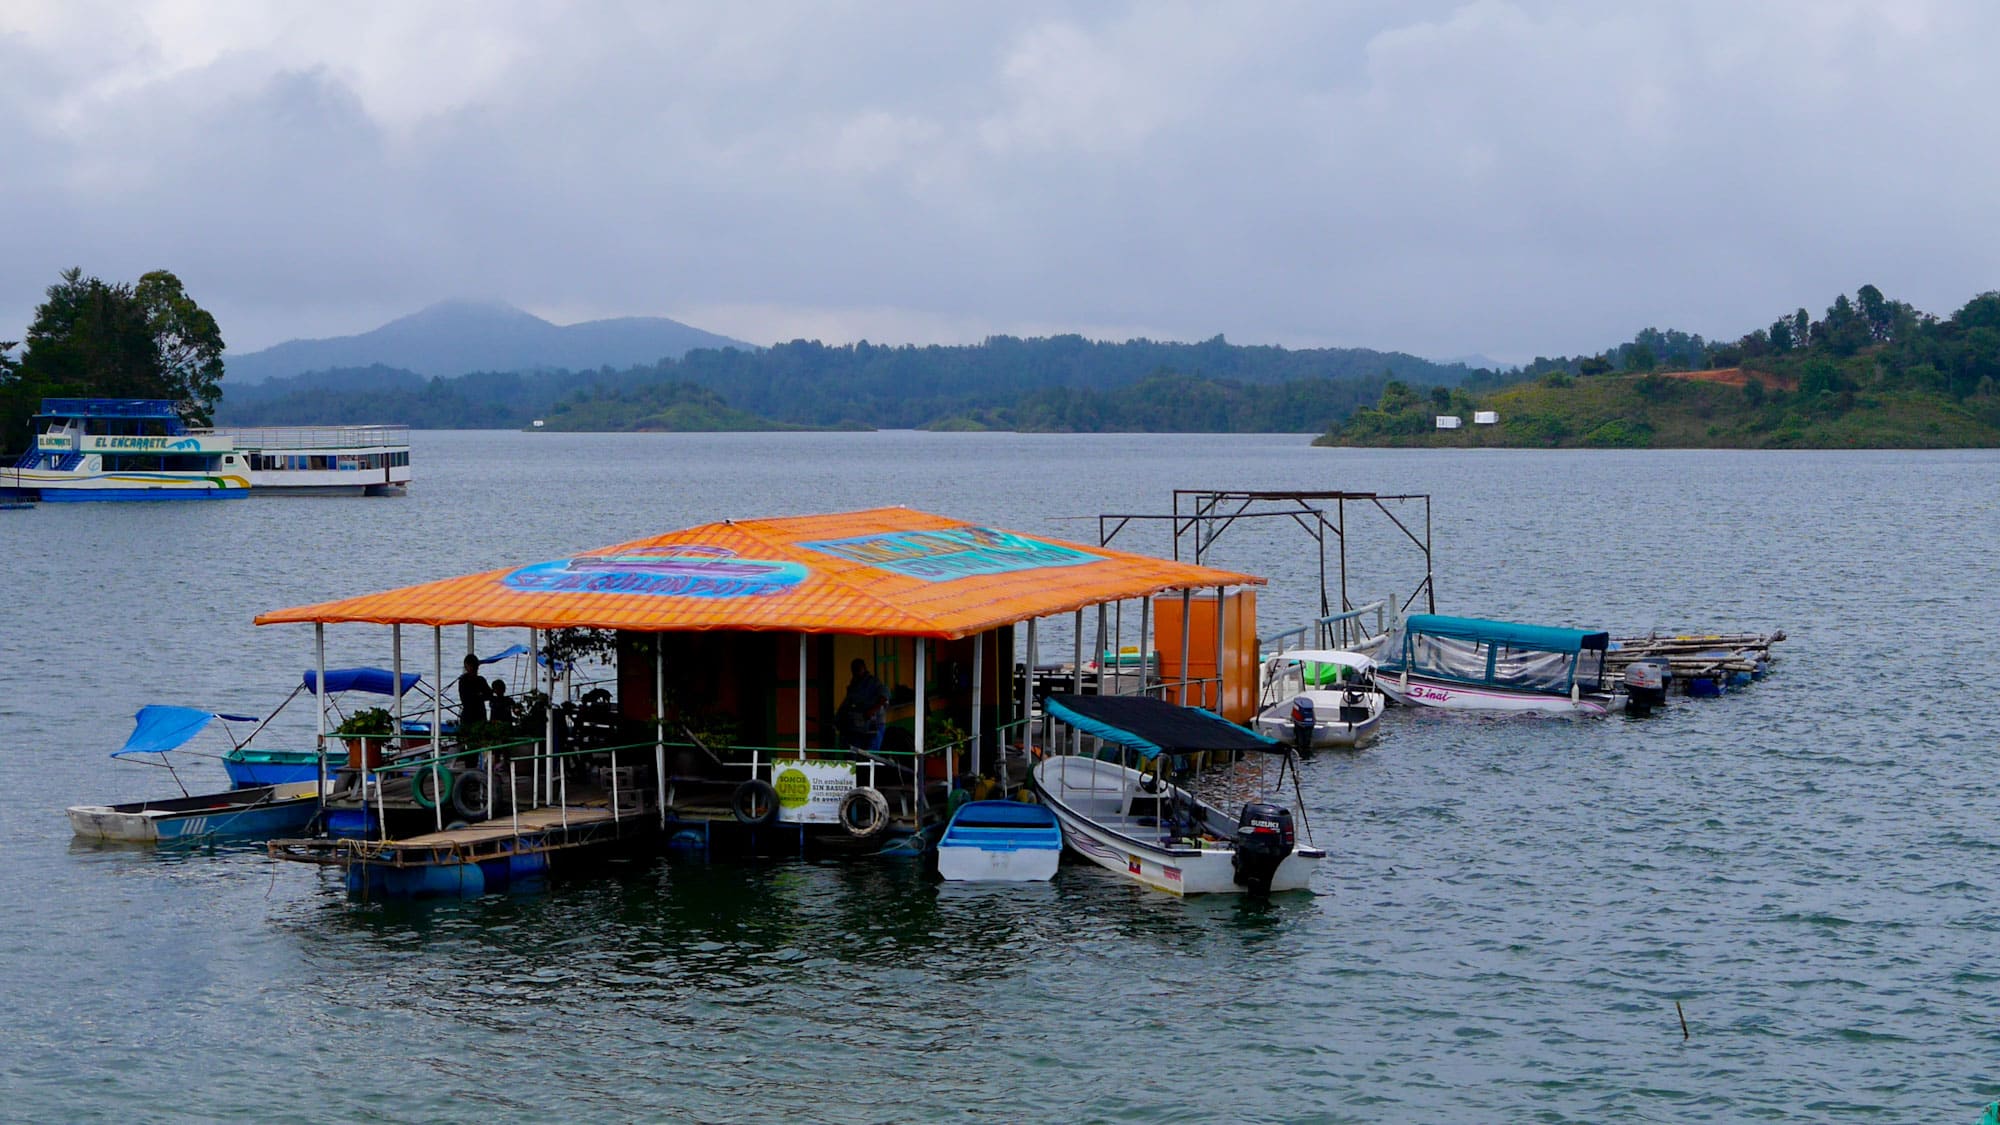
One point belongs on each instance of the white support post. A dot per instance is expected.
(437, 725)
(470, 648)
(660, 726)
(917, 725)
(1028, 698)
(802, 697)
(1076, 679)
(1105, 661)
(1118, 642)
(1221, 600)
(1145, 645)
(534, 678)
(319, 739)
(978, 695)
(396, 670)
(1187, 636)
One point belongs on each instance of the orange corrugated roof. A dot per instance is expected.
(883, 571)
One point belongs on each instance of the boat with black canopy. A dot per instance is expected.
(1139, 823)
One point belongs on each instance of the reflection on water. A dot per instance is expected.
(1508, 914)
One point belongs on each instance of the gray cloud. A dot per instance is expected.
(1510, 178)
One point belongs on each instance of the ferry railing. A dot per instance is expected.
(292, 439)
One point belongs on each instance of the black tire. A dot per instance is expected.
(755, 803)
(468, 795)
(864, 812)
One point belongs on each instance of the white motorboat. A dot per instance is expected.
(1469, 664)
(1158, 834)
(1320, 698)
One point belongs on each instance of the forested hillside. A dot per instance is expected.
(1057, 383)
(1871, 373)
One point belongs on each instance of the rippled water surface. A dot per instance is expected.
(1514, 907)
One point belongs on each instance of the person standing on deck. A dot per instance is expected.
(472, 694)
(865, 708)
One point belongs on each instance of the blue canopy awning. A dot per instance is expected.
(379, 681)
(1478, 630)
(510, 650)
(160, 728)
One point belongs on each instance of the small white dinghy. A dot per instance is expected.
(1315, 699)
(1000, 842)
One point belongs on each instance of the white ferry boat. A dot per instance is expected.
(138, 449)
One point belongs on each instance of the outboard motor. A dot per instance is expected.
(1264, 837)
(1646, 685)
(1302, 723)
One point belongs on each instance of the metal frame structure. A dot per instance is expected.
(1206, 513)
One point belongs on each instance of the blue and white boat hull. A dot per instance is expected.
(1000, 842)
(249, 814)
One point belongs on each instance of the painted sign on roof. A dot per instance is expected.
(883, 572)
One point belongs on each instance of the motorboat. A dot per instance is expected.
(1145, 827)
(1472, 664)
(1000, 842)
(258, 813)
(1320, 698)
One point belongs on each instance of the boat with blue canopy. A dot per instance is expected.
(1142, 825)
(1472, 664)
(252, 765)
(254, 813)
(1000, 842)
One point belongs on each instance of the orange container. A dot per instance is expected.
(1236, 699)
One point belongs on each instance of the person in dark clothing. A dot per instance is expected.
(472, 694)
(865, 708)
(499, 708)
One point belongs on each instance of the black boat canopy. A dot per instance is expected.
(1154, 726)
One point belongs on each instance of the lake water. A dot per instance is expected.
(1511, 912)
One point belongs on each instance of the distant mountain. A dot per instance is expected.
(1474, 362)
(456, 337)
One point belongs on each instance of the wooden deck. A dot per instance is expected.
(535, 822)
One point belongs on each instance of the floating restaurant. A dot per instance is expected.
(824, 682)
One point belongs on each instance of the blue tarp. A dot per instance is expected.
(161, 728)
(379, 681)
(510, 650)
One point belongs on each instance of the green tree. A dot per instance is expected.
(97, 339)
(189, 345)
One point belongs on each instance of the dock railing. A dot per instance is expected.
(1334, 630)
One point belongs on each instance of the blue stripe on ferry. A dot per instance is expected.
(86, 495)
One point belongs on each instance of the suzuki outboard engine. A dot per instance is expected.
(1264, 838)
(1646, 684)
(1302, 723)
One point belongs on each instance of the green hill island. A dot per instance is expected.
(1871, 374)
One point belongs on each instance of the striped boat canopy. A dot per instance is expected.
(881, 572)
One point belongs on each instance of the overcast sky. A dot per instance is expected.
(1507, 178)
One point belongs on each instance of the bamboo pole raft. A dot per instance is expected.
(1695, 655)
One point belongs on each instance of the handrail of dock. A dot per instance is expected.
(1320, 628)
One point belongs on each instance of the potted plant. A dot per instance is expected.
(365, 732)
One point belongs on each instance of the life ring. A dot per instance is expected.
(442, 785)
(864, 812)
(468, 796)
(755, 803)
